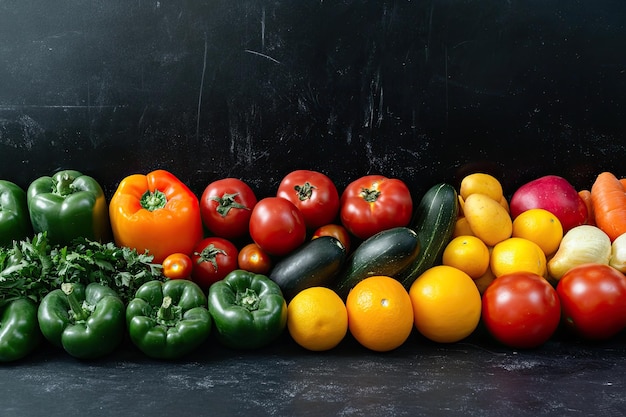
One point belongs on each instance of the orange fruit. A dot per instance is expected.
(462, 228)
(317, 319)
(380, 315)
(481, 183)
(467, 253)
(446, 304)
(487, 218)
(541, 227)
(484, 281)
(517, 254)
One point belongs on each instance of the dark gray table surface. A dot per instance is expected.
(565, 377)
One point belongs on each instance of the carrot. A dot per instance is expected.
(608, 200)
(586, 196)
(623, 181)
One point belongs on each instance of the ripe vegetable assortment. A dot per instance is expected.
(166, 270)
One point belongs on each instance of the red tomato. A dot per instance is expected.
(226, 206)
(213, 258)
(521, 310)
(374, 203)
(177, 266)
(593, 300)
(277, 226)
(314, 194)
(254, 259)
(335, 230)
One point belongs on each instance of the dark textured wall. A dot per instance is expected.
(420, 90)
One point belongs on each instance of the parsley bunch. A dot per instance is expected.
(120, 268)
(32, 268)
(26, 270)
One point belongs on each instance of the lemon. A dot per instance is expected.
(317, 319)
(517, 254)
(541, 227)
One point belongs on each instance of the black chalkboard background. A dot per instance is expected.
(425, 91)
(420, 90)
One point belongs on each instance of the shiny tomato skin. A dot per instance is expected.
(277, 226)
(177, 266)
(374, 203)
(593, 300)
(314, 194)
(213, 258)
(254, 259)
(521, 310)
(226, 206)
(335, 230)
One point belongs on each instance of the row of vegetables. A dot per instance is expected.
(168, 268)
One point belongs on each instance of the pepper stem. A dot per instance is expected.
(153, 200)
(227, 202)
(76, 309)
(248, 299)
(64, 187)
(168, 313)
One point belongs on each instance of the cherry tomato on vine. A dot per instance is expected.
(177, 266)
(335, 230)
(374, 203)
(314, 194)
(593, 301)
(277, 226)
(521, 310)
(226, 206)
(213, 258)
(254, 259)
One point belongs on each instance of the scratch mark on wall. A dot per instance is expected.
(445, 57)
(143, 114)
(204, 59)
(263, 29)
(262, 55)
(429, 33)
(19, 107)
(380, 108)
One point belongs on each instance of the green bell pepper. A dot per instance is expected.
(69, 205)
(14, 217)
(19, 329)
(86, 321)
(167, 320)
(248, 310)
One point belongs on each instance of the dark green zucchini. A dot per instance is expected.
(315, 263)
(386, 253)
(434, 221)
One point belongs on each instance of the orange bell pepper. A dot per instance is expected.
(155, 212)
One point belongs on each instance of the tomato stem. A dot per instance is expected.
(304, 191)
(227, 202)
(369, 195)
(209, 254)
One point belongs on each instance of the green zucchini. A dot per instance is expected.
(434, 221)
(386, 253)
(315, 263)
